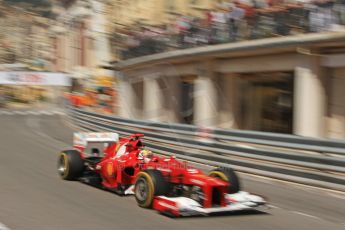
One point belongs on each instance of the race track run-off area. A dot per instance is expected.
(33, 197)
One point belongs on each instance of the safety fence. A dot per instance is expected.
(309, 161)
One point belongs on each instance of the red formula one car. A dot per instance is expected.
(170, 186)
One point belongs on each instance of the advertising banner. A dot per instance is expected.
(34, 78)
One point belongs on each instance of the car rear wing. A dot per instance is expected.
(82, 138)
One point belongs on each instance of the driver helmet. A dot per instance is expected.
(145, 154)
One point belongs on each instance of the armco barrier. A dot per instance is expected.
(316, 162)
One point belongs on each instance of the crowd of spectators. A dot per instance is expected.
(235, 21)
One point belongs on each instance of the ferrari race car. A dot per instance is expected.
(125, 166)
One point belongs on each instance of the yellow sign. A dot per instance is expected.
(105, 81)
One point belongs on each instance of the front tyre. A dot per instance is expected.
(70, 165)
(228, 175)
(148, 184)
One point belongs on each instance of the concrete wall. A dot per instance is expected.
(263, 63)
(217, 92)
(310, 99)
(228, 101)
(336, 121)
(318, 91)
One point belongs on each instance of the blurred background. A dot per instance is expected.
(257, 85)
(87, 42)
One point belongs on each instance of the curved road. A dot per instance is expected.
(33, 197)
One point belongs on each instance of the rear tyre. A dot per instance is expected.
(227, 174)
(148, 184)
(70, 165)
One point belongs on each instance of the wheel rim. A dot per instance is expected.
(62, 166)
(141, 190)
(218, 175)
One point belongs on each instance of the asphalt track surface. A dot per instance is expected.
(32, 196)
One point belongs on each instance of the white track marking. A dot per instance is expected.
(307, 215)
(5, 112)
(19, 112)
(273, 206)
(245, 146)
(45, 112)
(3, 227)
(58, 112)
(33, 112)
(339, 196)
